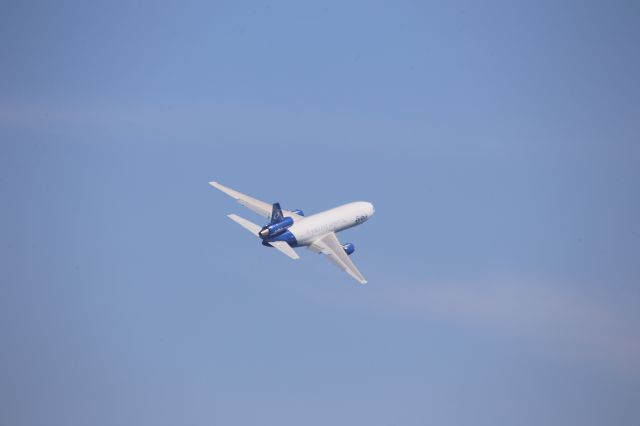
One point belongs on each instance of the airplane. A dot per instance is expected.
(291, 228)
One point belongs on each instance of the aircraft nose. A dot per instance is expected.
(372, 209)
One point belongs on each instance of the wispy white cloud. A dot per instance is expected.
(559, 320)
(42, 115)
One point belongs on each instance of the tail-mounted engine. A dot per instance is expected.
(276, 228)
(349, 248)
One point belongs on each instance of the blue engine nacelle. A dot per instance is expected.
(349, 248)
(298, 211)
(276, 228)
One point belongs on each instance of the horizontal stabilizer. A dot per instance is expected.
(285, 248)
(249, 226)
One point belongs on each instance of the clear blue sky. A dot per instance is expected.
(498, 142)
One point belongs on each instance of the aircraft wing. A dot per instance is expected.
(257, 206)
(330, 245)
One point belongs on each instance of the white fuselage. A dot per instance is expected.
(307, 229)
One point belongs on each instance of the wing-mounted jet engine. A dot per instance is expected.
(349, 248)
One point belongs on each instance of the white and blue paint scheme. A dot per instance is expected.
(291, 228)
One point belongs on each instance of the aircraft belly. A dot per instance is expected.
(308, 232)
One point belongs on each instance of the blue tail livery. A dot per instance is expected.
(276, 213)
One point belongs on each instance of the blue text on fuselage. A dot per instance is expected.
(361, 218)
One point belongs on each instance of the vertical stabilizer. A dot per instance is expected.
(276, 213)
